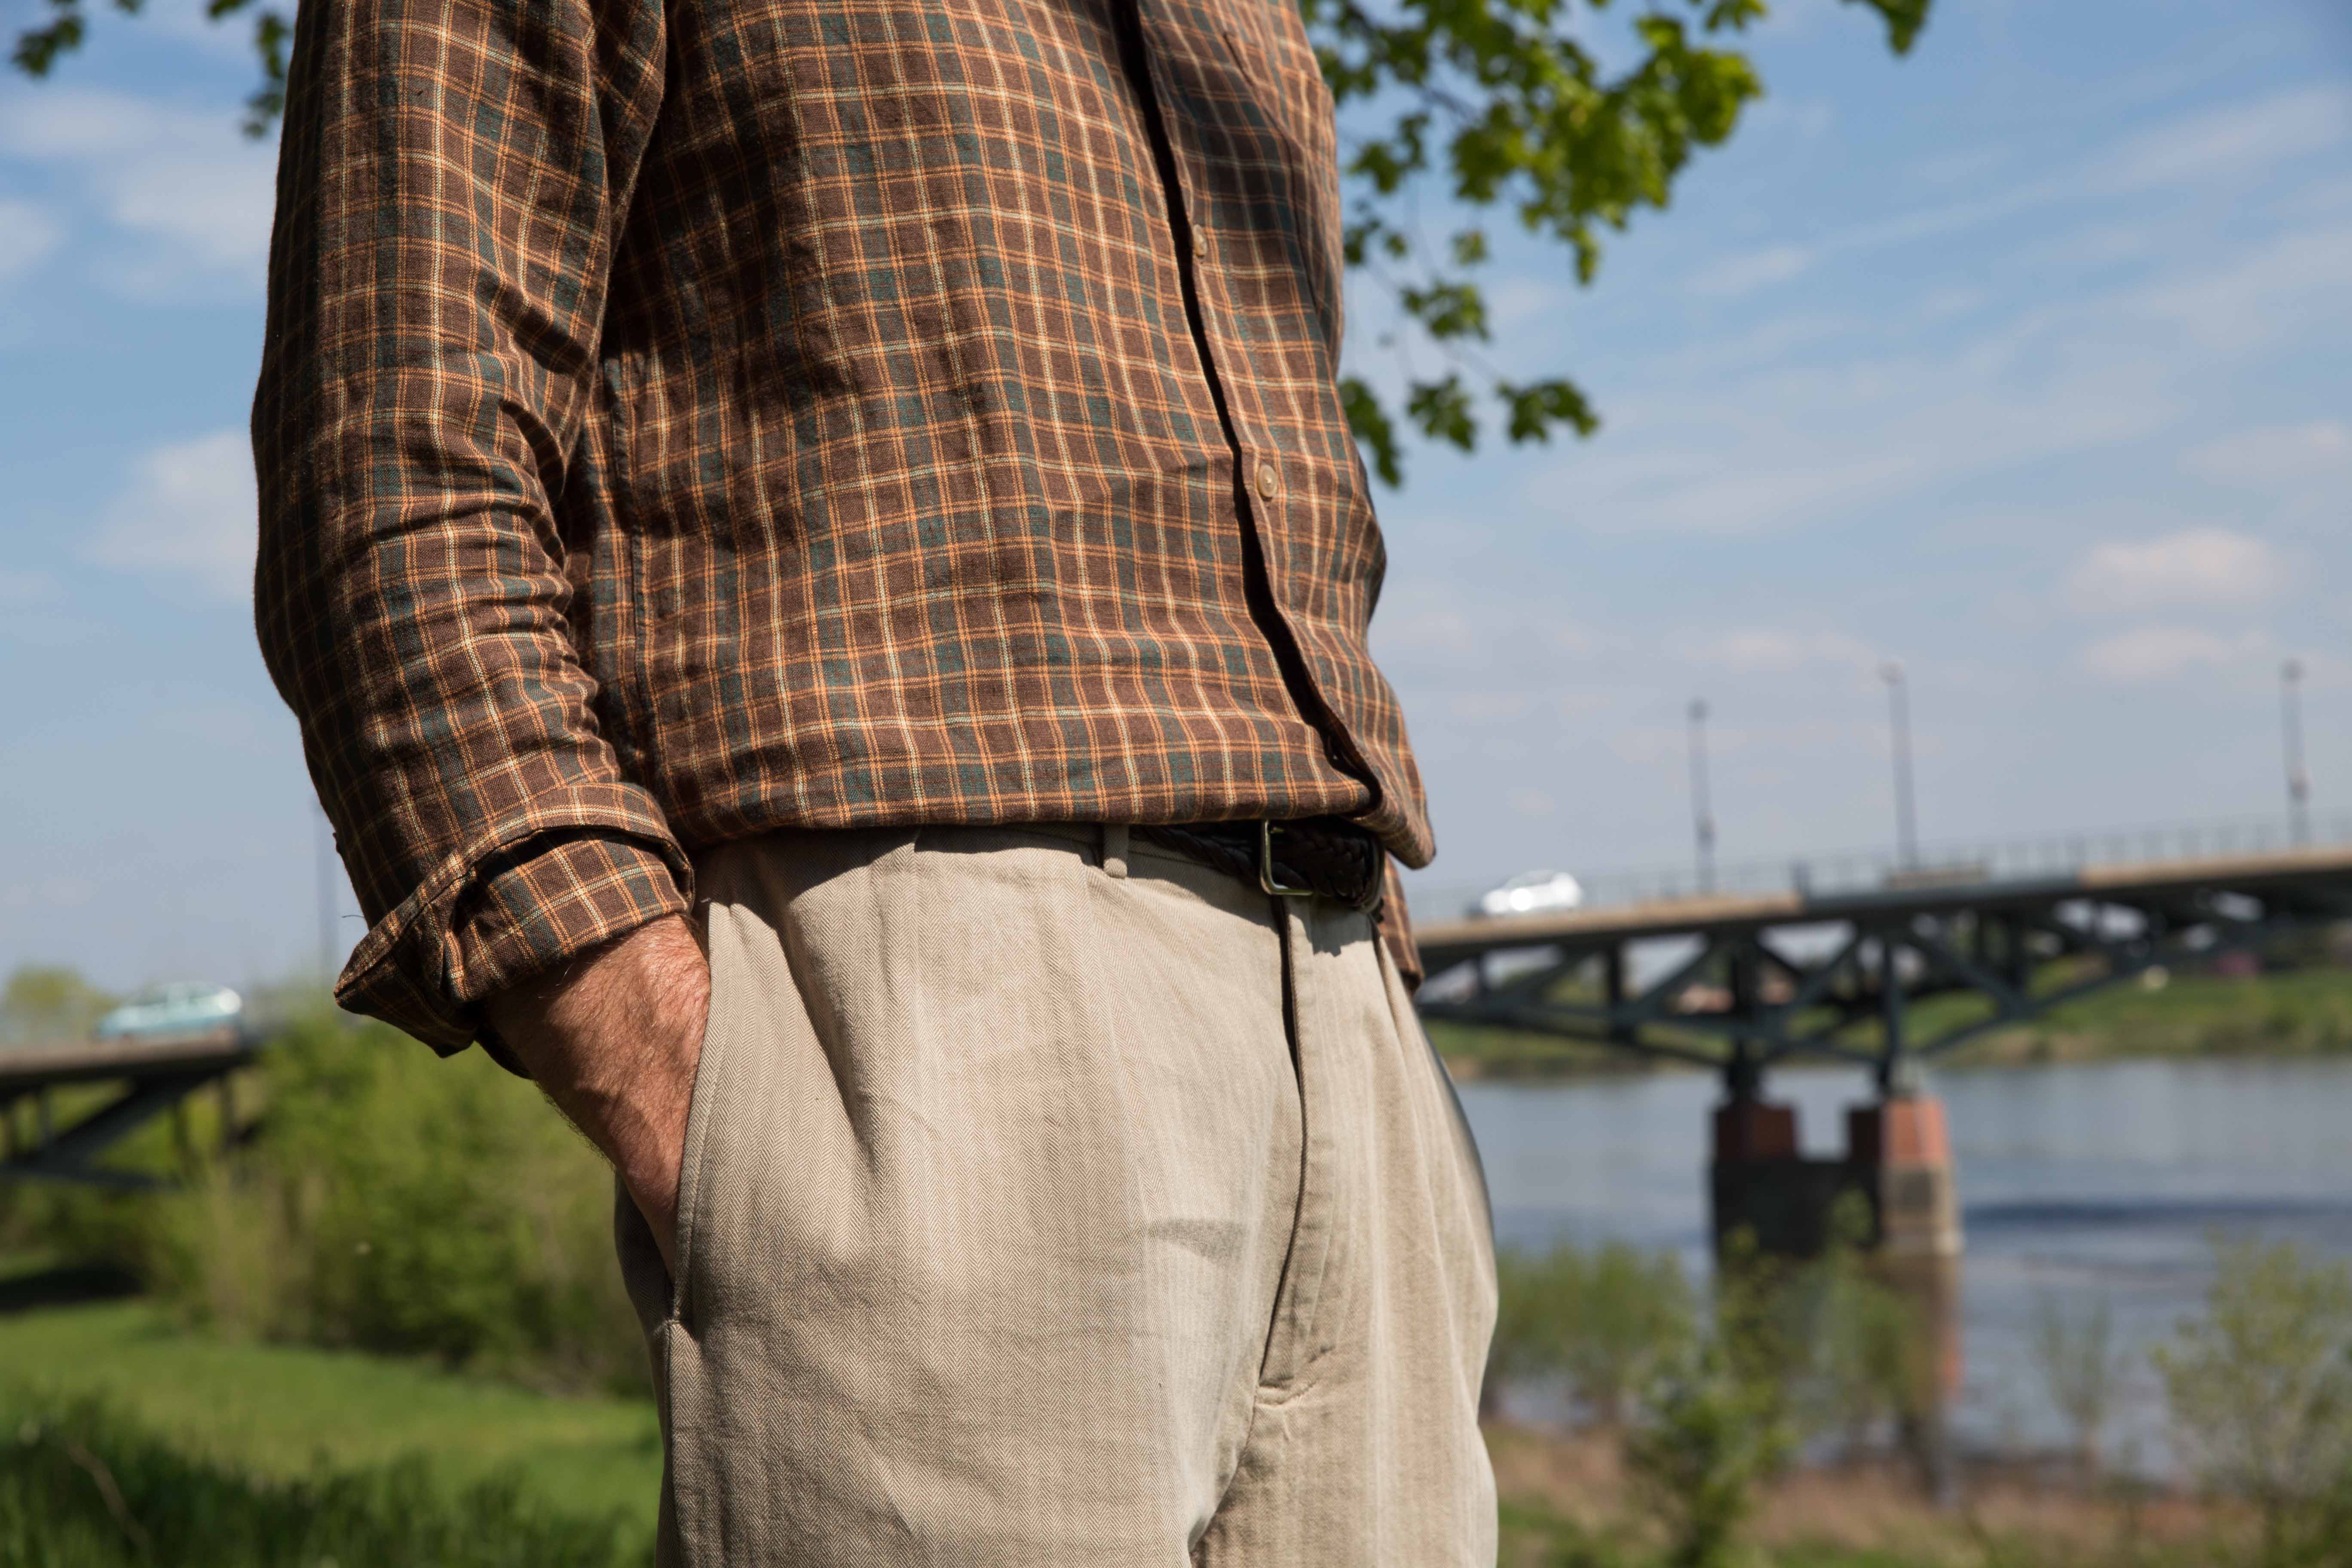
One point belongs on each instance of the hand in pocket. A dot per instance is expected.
(613, 1040)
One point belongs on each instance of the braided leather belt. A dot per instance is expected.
(1316, 858)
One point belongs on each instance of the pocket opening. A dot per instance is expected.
(694, 1153)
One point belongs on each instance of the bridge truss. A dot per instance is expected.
(1863, 977)
(150, 1078)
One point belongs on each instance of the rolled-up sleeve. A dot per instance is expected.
(451, 183)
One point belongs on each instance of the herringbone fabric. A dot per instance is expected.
(683, 420)
(1038, 1212)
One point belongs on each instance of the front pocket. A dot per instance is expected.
(708, 1068)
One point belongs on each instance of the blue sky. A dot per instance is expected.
(2026, 359)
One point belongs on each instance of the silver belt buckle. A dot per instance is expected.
(1265, 866)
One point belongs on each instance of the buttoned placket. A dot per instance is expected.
(1192, 253)
(1256, 460)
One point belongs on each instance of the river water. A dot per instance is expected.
(2080, 1184)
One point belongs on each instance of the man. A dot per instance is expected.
(856, 490)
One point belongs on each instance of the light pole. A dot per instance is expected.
(2298, 777)
(1702, 797)
(1898, 713)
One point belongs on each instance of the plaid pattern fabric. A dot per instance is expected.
(682, 420)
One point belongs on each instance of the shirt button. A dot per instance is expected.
(1201, 244)
(1268, 482)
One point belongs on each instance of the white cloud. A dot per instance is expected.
(2230, 139)
(1433, 627)
(220, 208)
(155, 172)
(2197, 566)
(2215, 147)
(187, 517)
(1748, 270)
(27, 234)
(2157, 653)
(80, 122)
(1969, 165)
(1787, 446)
(2278, 457)
(1794, 448)
(187, 22)
(1770, 651)
(2264, 295)
(1804, 737)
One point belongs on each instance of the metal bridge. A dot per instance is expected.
(1882, 969)
(1837, 967)
(155, 1076)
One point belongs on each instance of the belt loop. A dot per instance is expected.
(1114, 849)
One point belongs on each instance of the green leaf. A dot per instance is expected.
(1448, 309)
(1442, 409)
(37, 48)
(271, 35)
(1904, 19)
(1370, 424)
(1535, 409)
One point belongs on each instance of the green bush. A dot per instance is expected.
(1849, 1349)
(2082, 1368)
(80, 1488)
(1788, 1350)
(48, 1002)
(2261, 1394)
(1603, 1319)
(391, 1202)
(1712, 1428)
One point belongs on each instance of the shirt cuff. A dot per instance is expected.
(525, 910)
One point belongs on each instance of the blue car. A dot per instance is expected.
(184, 1008)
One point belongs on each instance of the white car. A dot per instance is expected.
(1529, 893)
(185, 1008)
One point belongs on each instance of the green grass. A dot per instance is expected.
(81, 1487)
(1477, 1050)
(278, 1414)
(2295, 1012)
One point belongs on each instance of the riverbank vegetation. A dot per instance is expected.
(382, 1200)
(1787, 1420)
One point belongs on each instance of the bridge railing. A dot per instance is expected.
(1949, 862)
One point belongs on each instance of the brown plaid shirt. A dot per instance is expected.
(682, 418)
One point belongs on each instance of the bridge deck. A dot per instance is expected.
(94, 1061)
(1444, 943)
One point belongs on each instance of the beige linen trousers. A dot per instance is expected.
(1051, 1198)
